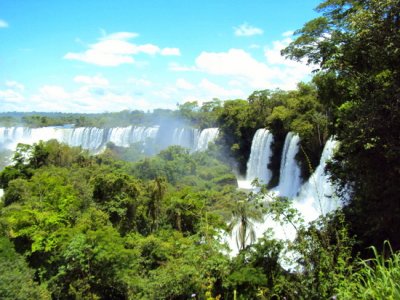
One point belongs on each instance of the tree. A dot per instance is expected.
(16, 278)
(244, 213)
(357, 44)
(157, 190)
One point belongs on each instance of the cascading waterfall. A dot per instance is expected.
(95, 139)
(317, 195)
(124, 136)
(10, 134)
(207, 136)
(91, 138)
(185, 137)
(260, 155)
(315, 198)
(289, 175)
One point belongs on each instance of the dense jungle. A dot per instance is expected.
(151, 221)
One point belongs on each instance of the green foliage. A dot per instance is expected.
(16, 278)
(92, 230)
(204, 116)
(356, 45)
(244, 213)
(255, 272)
(299, 111)
(376, 278)
(101, 228)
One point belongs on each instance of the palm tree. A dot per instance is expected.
(244, 213)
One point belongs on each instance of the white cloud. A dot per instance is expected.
(10, 96)
(247, 30)
(115, 49)
(217, 91)
(92, 81)
(3, 24)
(234, 82)
(123, 35)
(235, 63)
(53, 92)
(100, 58)
(183, 84)
(178, 68)
(149, 49)
(140, 82)
(273, 54)
(15, 85)
(240, 69)
(170, 51)
(203, 90)
(288, 33)
(86, 99)
(288, 72)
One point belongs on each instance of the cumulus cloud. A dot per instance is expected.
(11, 97)
(240, 68)
(183, 84)
(288, 72)
(140, 82)
(115, 49)
(86, 99)
(171, 51)
(123, 35)
(92, 80)
(94, 94)
(235, 63)
(15, 85)
(288, 33)
(217, 91)
(247, 30)
(53, 92)
(179, 68)
(3, 24)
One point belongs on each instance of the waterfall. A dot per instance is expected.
(289, 176)
(260, 155)
(185, 137)
(121, 136)
(317, 196)
(8, 136)
(91, 138)
(95, 139)
(207, 136)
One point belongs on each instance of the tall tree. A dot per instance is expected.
(356, 44)
(244, 213)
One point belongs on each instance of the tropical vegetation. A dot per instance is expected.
(80, 226)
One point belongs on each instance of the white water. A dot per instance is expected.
(290, 176)
(260, 156)
(317, 195)
(186, 137)
(95, 139)
(207, 136)
(315, 198)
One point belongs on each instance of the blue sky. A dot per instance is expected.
(98, 55)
